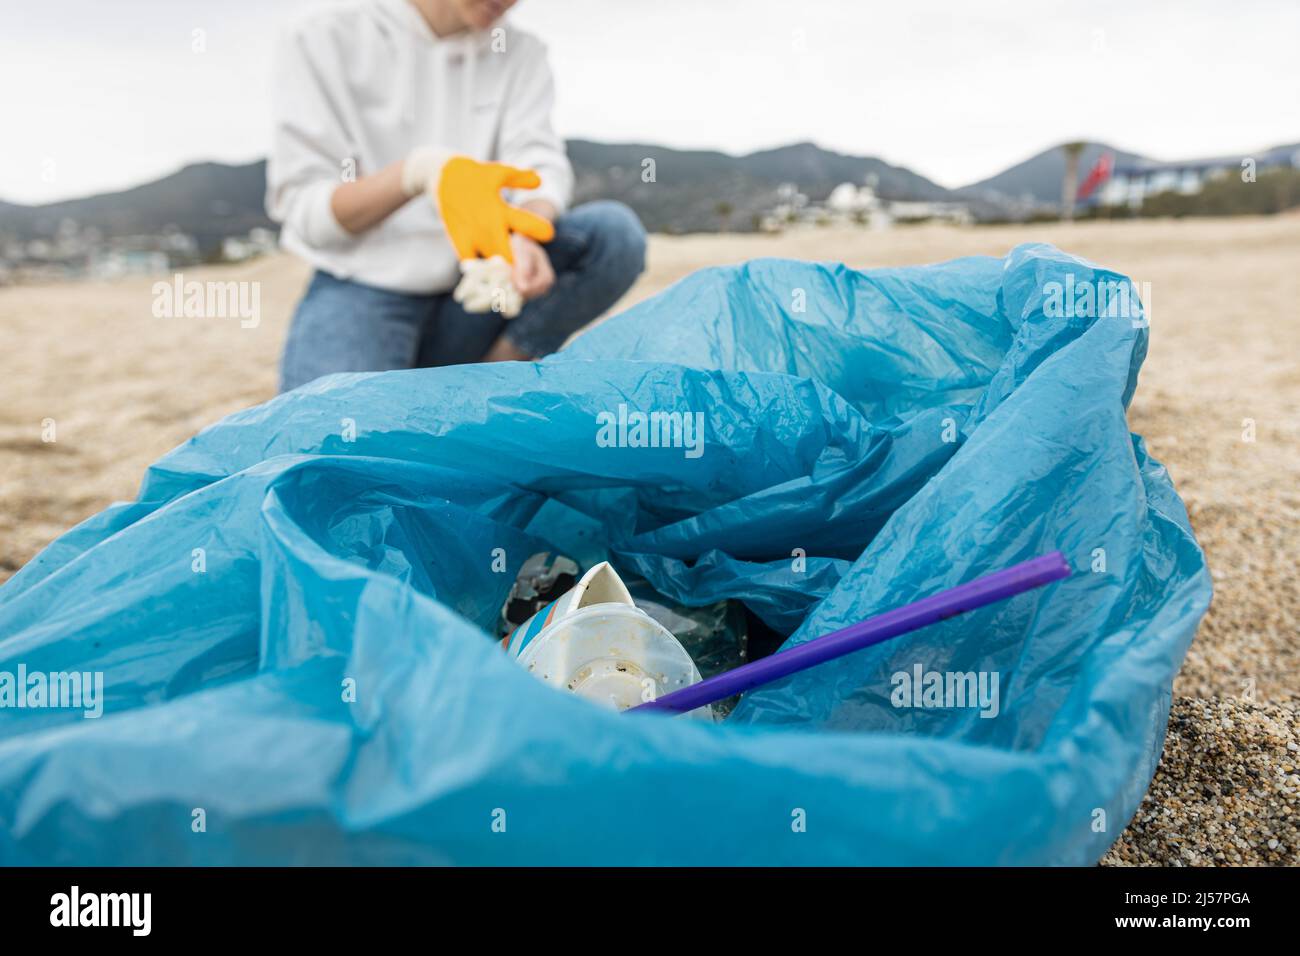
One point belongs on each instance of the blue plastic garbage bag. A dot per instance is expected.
(289, 622)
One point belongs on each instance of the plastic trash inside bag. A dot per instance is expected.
(542, 579)
(294, 629)
(593, 641)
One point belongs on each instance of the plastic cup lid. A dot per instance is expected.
(612, 654)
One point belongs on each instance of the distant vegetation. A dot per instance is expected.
(1274, 191)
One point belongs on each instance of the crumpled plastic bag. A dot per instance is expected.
(292, 620)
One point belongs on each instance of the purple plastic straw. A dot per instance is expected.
(964, 597)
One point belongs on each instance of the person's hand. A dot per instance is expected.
(533, 274)
(485, 230)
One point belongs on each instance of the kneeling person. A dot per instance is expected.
(379, 104)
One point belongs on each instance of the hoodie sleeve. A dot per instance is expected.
(527, 137)
(308, 145)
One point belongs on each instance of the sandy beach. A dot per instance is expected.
(1218, 401)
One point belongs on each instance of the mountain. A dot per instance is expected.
(706, 190)
(1038, 178)
(692, 191)
(671, 190)
(206, 200)
(818, 171)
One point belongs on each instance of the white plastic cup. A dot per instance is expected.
(595, 642)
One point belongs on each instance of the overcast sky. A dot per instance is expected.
(102, 94)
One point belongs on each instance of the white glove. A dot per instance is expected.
(422, 169)
(486, 286)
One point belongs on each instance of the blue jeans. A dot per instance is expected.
(344, 326)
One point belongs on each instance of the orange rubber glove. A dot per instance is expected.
(467, 195)
(478, 220)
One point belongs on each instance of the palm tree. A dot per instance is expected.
(1070, 183)
(723, 209)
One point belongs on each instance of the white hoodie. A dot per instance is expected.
(358, 86)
